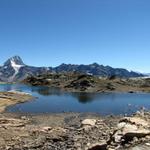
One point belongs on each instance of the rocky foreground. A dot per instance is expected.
(74, 132)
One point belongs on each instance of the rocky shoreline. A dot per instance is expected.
(12, 98)
(74, 131)
(70, 131)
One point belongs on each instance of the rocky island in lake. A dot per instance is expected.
(79, 82)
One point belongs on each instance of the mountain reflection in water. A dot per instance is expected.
(53, 100)
(80, 96)
(47, 91)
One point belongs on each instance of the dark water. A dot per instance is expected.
(53, 100)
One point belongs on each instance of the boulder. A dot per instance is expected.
(130, 128)
(136, 133)
(135, 120)
(88, 122)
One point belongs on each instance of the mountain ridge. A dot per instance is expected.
(14, 69)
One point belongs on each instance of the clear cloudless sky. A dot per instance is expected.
(51, 32)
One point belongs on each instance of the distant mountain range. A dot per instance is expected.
(14, 69)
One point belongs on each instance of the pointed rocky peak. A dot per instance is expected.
(63, 64)
(14, 61)
(94, 65)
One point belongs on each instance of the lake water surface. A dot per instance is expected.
(52, 100)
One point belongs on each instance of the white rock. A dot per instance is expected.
(129, 128)
(148, 144)
(46, 129)
(121, 125)
(89, 122)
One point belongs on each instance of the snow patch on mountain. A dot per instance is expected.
(16, 67)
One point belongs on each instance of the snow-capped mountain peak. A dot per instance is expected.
(14, 69)
(16, 60)
(14, 64)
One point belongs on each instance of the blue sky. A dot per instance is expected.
(51, 32)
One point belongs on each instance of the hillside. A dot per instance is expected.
(77, 82)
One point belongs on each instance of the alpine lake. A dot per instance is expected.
(53, 100)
